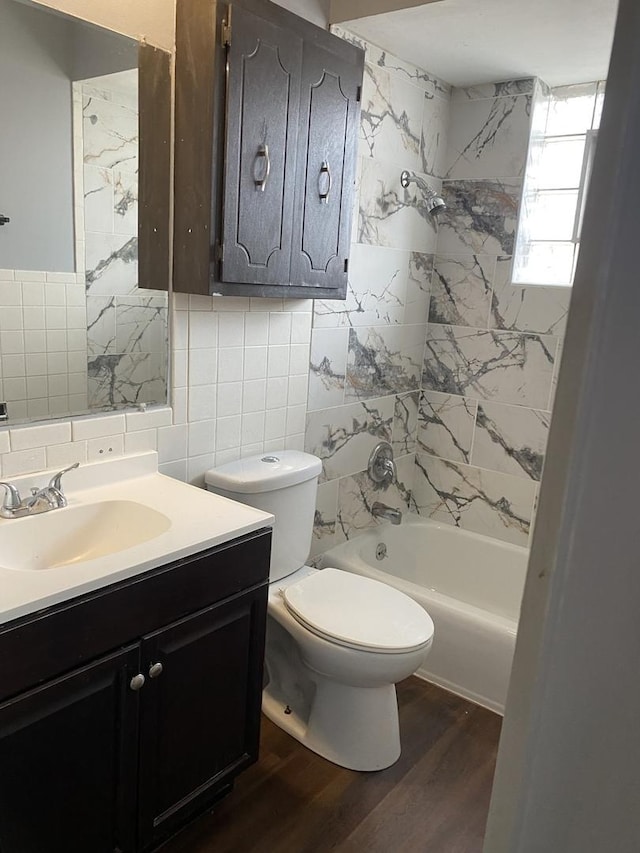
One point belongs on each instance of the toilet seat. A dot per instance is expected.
(358, 612)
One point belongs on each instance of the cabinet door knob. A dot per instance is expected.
(155, 670)
(137, 682)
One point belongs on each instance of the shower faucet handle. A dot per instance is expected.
(382, 468)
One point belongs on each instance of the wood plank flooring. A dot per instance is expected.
(435, 799)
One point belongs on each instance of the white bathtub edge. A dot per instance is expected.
(424, 675)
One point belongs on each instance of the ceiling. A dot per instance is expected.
(481, 41)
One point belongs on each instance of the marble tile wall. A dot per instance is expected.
(126, 349)
(126, 328)
(474, 418)
(367, 352)
(492, 349)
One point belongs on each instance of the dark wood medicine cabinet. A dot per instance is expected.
(267, 113)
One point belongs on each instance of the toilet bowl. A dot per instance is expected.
(336, 642)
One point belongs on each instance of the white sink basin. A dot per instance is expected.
(76, 534)
(123, 518)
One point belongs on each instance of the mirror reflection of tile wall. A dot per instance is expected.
(126, 327)
(43, 341)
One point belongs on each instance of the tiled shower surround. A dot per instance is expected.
(435, 350)
(367, 353)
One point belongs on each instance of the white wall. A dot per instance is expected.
(152, 20)
(349, 10)
(316, 11)
(567, 773)
(36, 169)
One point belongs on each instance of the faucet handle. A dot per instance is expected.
(381, 467)
(12, 499)
(56, 480)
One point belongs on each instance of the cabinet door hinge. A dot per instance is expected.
(359, 95)
(219, 252)
(346, 264)
(226, 29)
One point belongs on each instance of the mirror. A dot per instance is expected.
(84, 216)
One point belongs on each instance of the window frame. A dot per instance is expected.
(535, 187)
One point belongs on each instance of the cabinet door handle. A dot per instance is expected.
(137, 682)
(155, 670)
(262, 155)
(324, 183)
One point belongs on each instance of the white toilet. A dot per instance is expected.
(336, 642)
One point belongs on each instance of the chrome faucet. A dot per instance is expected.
(380, 510)
(382, 468)
(49, 497)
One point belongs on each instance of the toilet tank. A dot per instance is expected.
(284, 484)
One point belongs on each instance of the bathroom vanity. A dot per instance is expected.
(128, 709)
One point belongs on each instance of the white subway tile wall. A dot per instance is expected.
(245, 382)
(43, 322)
(223, 403)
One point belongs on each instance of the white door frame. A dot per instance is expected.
(568, 773)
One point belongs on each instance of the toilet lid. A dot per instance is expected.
(358, 611)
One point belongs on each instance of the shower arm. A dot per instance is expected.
(407, 178)
(434, 202)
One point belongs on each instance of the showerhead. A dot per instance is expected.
(434, 203)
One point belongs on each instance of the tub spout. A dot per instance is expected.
(380, 510)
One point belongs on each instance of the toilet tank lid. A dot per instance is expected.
(265, 472)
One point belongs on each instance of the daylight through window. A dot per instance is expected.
(555, 187)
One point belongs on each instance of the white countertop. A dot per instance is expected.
(198, 520)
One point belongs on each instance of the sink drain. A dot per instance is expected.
(381, 551)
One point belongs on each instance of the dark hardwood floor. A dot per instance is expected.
(434, 799)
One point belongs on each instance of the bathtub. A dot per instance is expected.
(470, 585)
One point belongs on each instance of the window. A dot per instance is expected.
(555, 186)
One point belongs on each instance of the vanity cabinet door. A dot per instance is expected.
(68, 762)
(263, 90)
(200, 710)
(326, 165)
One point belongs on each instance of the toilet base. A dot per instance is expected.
(354, 727)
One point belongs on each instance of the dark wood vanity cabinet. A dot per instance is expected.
(198, 723)
(284, 122)
(114, 754)
(68, 762)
